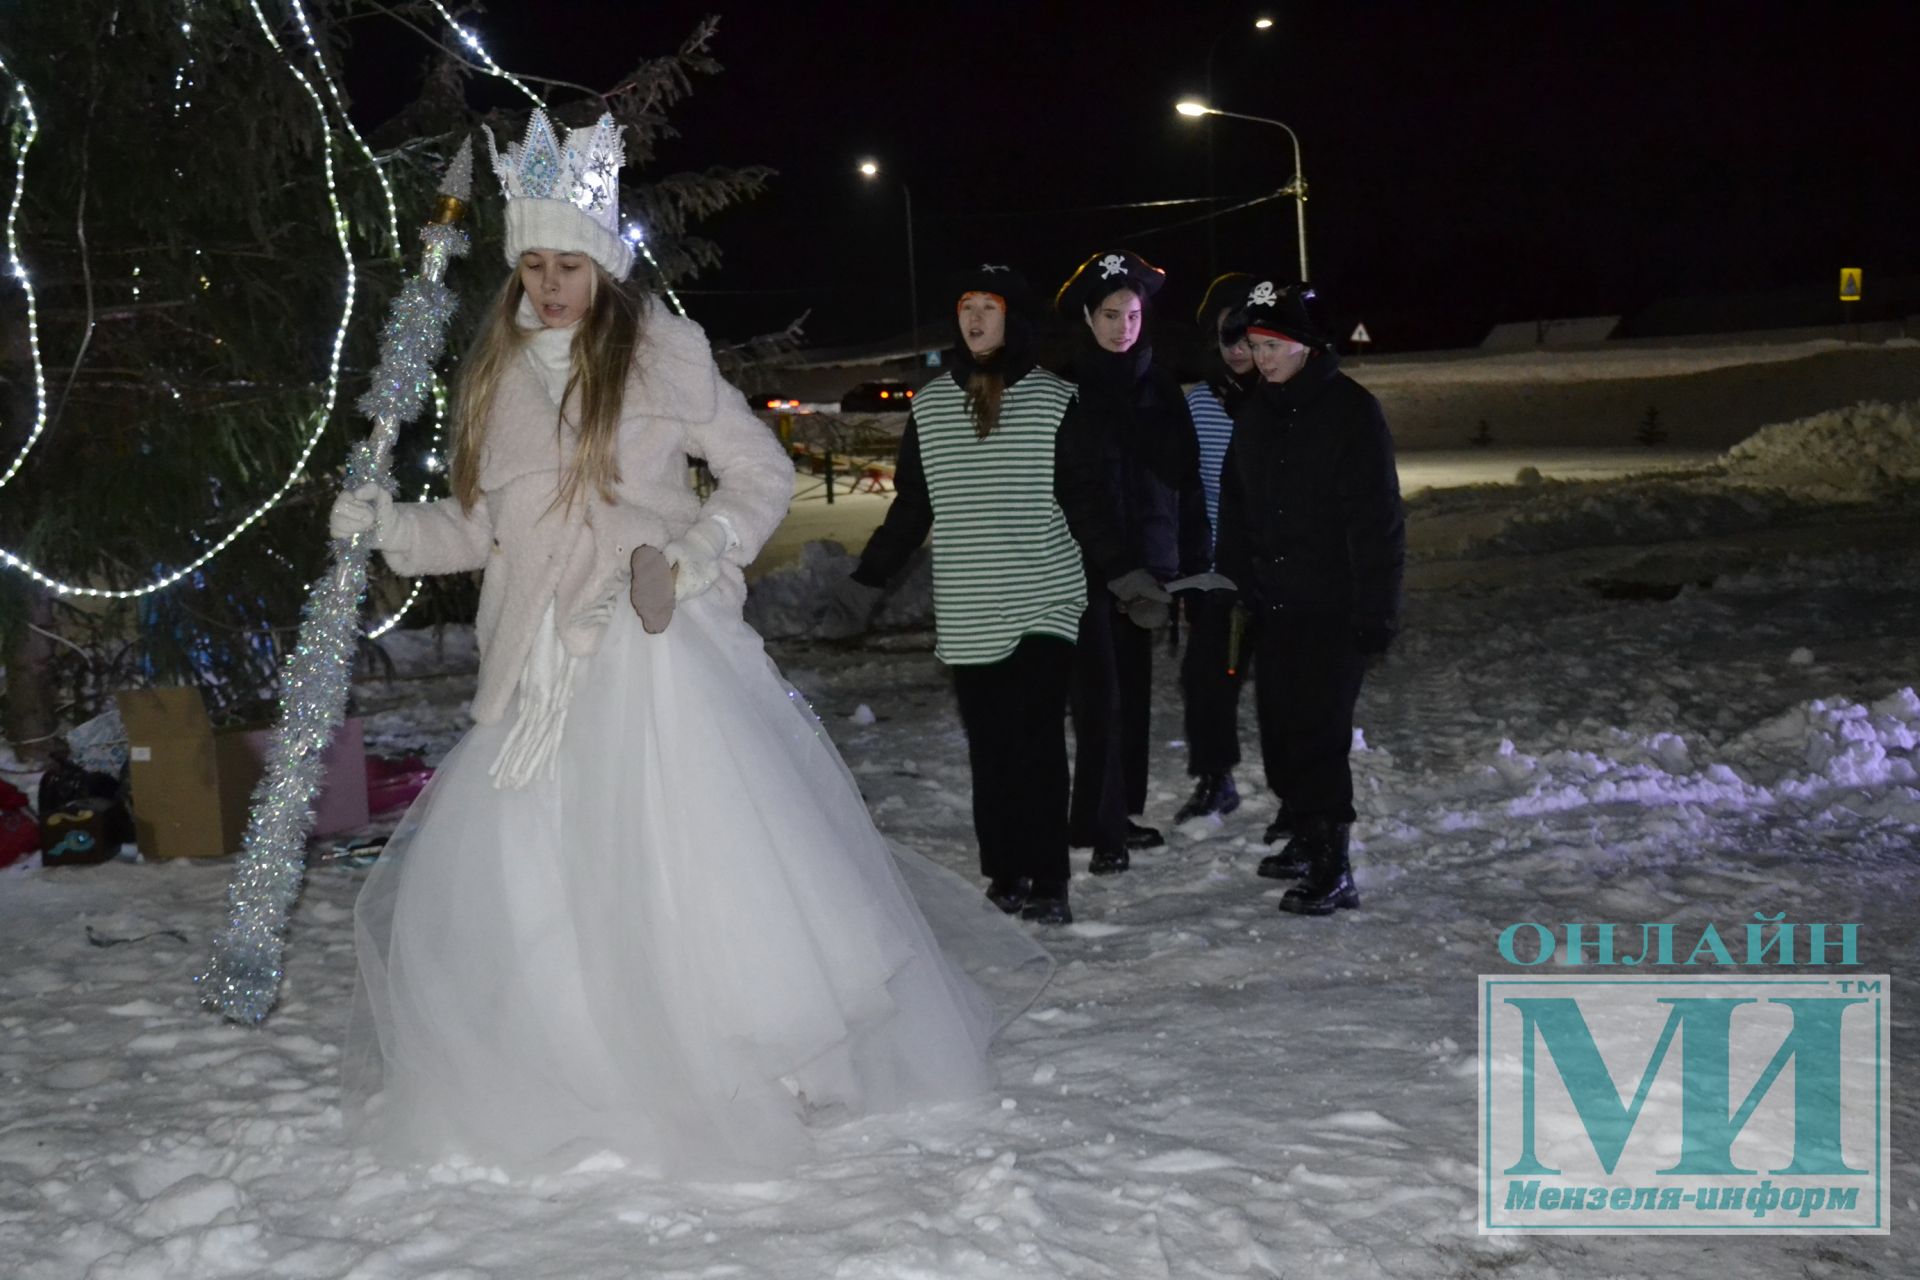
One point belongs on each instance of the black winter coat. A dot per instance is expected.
(1310, 516)
(1151, 457)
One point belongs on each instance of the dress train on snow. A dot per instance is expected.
(683, 946)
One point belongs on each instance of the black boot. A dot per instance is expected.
(1139, 837)
(1009, 893)
(1047, 903)
(1108, 862)
(1289, 863)
(1282, 825)
(1212, 793)
(1329, 883)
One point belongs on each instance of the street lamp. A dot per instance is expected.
(871, 169)
(1297, 188)
(1261, 23)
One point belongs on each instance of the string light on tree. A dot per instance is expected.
(346, 121)
(321, 416)
(639, 241)
(493, 68)
(26, 128)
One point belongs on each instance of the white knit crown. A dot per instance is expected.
(565, 198)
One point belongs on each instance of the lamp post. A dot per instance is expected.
(870, 169)
(1261, 23)
(1297, 188)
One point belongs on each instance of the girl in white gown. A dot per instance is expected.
(642, 907)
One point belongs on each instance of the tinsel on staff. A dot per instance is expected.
(243, 980)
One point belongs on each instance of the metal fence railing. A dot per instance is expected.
(847, 452)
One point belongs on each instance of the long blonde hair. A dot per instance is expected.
(604, 346)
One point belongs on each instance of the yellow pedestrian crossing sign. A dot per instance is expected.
(1850, 284)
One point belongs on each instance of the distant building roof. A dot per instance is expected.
(900, 348)
(1523, 334)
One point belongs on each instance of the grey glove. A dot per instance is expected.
(850, 606)
(1142, 598)
(1149, 615)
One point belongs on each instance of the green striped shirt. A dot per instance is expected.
(1004, 564)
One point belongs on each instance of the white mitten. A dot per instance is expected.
(368, 510)
(696, 556)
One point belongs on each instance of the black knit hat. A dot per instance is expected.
(989, 277)
(1284, 310)
(1227, 292)
(1101, 274)
(1012, 289)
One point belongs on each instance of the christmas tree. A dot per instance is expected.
(197, 208)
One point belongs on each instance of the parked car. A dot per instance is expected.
(775, 401)
(878, 397)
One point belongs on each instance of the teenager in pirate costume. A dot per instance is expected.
(1311, 530)
(1000, 469)
(1210, 670)
(1148, 453)
(641, 908)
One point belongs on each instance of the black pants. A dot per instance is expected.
(1212, 692)
(1306, 681)
(1112, 700)
(1014, 712)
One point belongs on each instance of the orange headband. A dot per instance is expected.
(980, 293)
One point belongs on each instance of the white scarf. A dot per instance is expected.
(546, 682)
(549, 351)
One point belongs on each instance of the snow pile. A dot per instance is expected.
(1869, 452)
(1561, 516)
(1857, 451)
(790, 601)
(1837, 744)
(1821, 754)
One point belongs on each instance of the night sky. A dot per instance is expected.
(1467, 162)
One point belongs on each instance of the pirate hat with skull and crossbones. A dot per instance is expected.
(1281, 311)
(1101, 274)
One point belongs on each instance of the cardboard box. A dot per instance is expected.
(192, 783)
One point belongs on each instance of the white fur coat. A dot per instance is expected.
(534, 553)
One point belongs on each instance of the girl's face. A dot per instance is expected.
(1277, 358)
(1237, 355)
(983, 323)
(1115, 320)
(560, 285)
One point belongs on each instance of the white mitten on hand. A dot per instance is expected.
(368, 510)
(696, 556)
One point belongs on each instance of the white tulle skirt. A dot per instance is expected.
(687, 948)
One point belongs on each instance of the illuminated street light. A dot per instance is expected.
(1297, 188)
(871, 169)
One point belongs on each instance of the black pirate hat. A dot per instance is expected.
(1283, 310)
(1101, 274)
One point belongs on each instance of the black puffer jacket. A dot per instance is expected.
(1310, 516)
(1151, 457)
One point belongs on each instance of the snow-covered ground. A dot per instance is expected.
(1682, 699)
